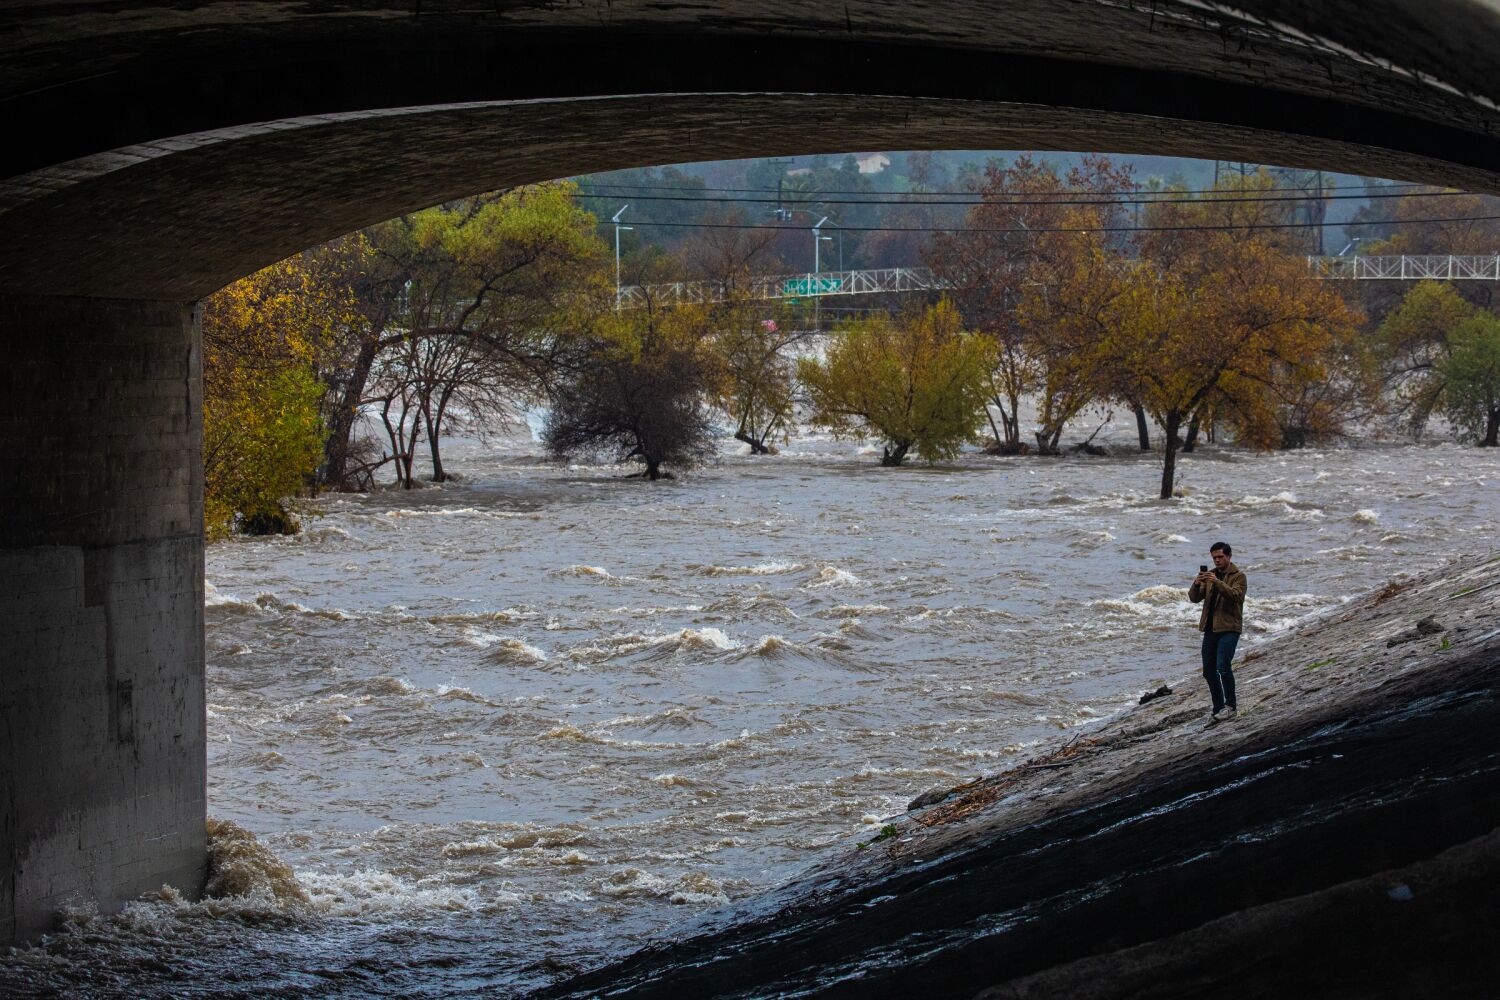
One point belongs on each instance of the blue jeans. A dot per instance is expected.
(1218, 650)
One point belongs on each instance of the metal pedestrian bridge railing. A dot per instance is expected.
(825, 284)
(811, 285)
(1408, 267)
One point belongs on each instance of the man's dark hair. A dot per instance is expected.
(1216, 546)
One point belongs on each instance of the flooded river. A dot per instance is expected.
(515, 726)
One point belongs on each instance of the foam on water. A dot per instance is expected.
(1161, 593)
(772, 645)
(214, 598)
(466, 617)
(685, 640)
(503, 648)
(508, 649)
(445, 512)
(367, 893)
(590, 573)
(267, 601)
(695, 887)
(760, 569)
(240, 865)
(832, 576)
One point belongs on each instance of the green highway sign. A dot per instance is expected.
(811, 286)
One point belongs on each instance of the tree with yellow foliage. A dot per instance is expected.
(1236, 318)
(1067, 311)
(1014, 277)
(1472, 374)
(753, 339)
(1453, 222)
(1413, 342)
(263, 337)
(480, 299)
(754, 344)
(918, 382)
(638, 391)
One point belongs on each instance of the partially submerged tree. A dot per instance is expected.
(1068, 312)
(752, 338)
(1026, 271)
(1239, 321)
(1413, 341)
(262, 433)
(916, 382)
(638, 394)
(987, 266)
(754, 347)
(1472, 375)
(468, 303)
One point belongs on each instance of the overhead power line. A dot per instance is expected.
(1073, 229)
(1166, 198)
(632, 188)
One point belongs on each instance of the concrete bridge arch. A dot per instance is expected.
(160, 152)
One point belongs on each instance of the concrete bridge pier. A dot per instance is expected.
(102, 789)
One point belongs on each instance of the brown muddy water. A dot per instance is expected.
(511, 728)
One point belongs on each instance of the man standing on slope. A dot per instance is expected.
(1222, 592)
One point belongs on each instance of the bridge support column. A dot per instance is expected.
(102, 741)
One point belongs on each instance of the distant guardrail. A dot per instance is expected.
(824, 284)
(1408, 267)
(810, 285)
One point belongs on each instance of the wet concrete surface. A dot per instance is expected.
(1350, 758)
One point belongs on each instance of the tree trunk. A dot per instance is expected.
(1008, 434)
(396, 438)
(653, 468)
(409, 453)
(1492, 431)
(334, 473)
(757, 447)
(1169, 464)
(995, 431)
(1140, 426)
(1191, 444)
(1047, 439)
(438, 475)
(892, 457)
(434, 435)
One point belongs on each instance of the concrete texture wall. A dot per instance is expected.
(207, 140)
(102, 741)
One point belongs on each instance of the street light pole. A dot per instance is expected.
(817, 292)
(618, 227)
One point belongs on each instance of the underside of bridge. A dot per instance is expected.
(155, 153)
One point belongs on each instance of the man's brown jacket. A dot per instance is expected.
(1227, 591)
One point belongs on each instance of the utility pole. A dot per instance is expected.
(618, 227)
(781, 212)
(1322, 204)
(817, 291)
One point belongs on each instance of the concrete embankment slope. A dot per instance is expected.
(1338, 838)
